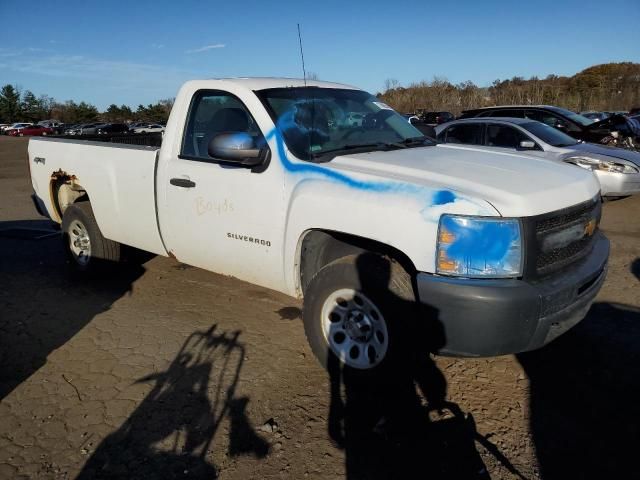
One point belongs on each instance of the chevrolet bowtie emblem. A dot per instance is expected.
(590, 228)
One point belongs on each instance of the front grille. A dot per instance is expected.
(561, 255)
(560, 238)
(570, 216)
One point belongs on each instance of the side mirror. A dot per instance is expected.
(527, 144)
(237, 147)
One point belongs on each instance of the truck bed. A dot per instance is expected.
(144, 139)
(120, 177)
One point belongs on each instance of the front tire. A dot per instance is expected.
(358, 310)
(88, 250)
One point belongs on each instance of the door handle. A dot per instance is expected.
(182, 182)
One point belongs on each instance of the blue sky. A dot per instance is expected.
(141, 51)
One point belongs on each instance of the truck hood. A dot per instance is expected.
(605, 150)
(516, 185)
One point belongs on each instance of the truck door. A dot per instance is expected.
(217, 215)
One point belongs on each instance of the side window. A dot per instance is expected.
(504, 136)
(551, 120)
(465, 133)
(542, 116)
(212, 113)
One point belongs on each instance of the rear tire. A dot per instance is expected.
(358, 312)
(88, 251)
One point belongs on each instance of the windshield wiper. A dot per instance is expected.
(414, 141)
(353, 146)
(406, 143)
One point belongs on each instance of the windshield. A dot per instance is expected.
(579, 119)
(548, 134)
(320, 122)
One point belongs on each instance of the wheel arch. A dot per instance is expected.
(319, 247)
(65, 190)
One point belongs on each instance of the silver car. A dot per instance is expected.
(617, 169)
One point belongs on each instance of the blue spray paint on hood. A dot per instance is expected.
(286, 122)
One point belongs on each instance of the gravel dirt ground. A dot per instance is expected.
(169, 371)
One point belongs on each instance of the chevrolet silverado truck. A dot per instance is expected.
(376, 227)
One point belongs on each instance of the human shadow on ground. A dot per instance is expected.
(42, 304)
(584, 397)
(170, 433)
(398, 422)
(635, 268)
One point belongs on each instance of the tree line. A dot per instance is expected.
(607, 87)
(18, 106)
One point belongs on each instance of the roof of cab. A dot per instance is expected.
(261, 83)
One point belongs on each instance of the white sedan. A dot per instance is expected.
(153, 128)
(617, 169)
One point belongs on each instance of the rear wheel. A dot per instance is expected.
(358, 311)
(87, 249)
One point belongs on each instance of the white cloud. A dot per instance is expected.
(206, 47)
(157, 45)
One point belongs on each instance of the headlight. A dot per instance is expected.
(596, 164)
(479, 247)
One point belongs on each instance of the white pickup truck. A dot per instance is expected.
(379, 229)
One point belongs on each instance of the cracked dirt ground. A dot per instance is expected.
(169, 371)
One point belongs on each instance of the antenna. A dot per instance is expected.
(304, 72)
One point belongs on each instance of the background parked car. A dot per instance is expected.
(153, 128)
(436, 118)
(15, 126)
(566, 121)
(73, 129)
(112, 128)
(57, 126)
(618, 170)
(595, 116)
(32, 130)
(133, 126)
(90, 128)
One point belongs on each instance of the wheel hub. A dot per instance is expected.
(354, 329)
(358, 326)
(79, 242)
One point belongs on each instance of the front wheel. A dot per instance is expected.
(358, 310)
(87, 249)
